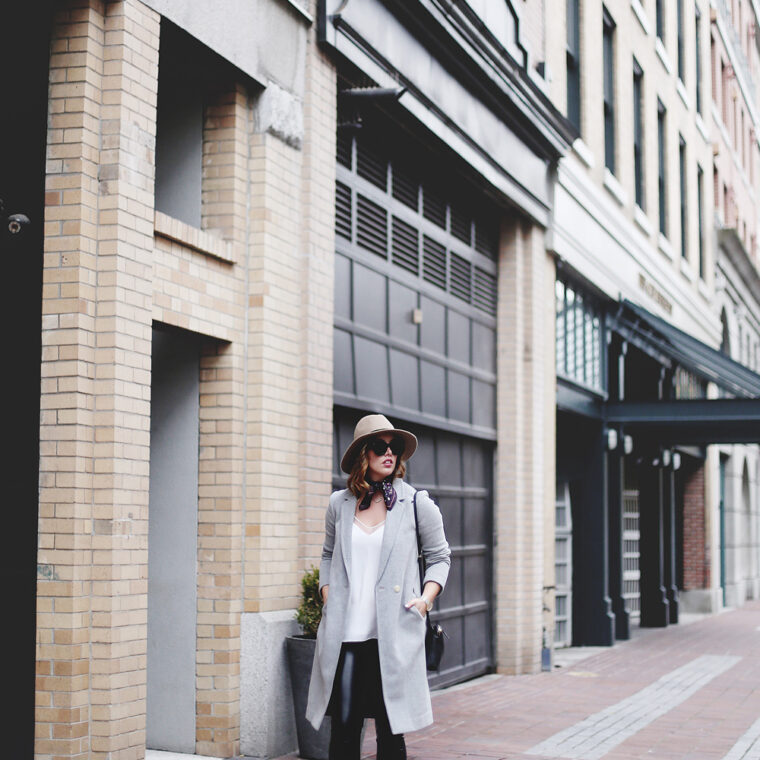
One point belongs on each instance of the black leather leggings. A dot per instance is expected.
(357, 693)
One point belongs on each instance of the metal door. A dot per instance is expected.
(415, 290)
(457, 472)
(631, 554)
(415, 338)
(563, 568)
(722, 525)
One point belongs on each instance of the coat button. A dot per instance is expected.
(397, 589)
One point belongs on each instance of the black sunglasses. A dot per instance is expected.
(378, 446)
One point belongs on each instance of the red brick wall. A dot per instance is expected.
(696, 558)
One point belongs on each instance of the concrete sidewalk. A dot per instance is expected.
(688, 691)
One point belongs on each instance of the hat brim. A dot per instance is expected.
(410, 446)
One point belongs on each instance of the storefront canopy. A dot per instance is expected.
(695, 422)
(692, 421)
(670, 345)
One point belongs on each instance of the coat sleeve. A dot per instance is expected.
(327, 546)
(435, 547)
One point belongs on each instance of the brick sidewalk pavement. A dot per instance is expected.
(687, 692)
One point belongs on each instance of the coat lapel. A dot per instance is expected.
(393, 522)
(346, 526)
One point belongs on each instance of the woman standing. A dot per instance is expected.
(370, 655)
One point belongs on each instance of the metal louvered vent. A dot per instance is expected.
(433, 207)
(405, 246)
(487, 238)
(484, 291)
(343, 210)
(433, 262)
(461, 226)
(371, 226)
(371, 165)
(460, 283)
(343, 149)
(405, 188)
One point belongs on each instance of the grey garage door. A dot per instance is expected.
(415, 338)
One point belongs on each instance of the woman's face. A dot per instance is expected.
(380, 466)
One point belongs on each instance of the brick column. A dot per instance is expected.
(96, 382)
(317, 266)
(67, 391)
(289, 382)
(272, 435)
(220, 468)
(696, 560)
(525, 455)
(122, 381)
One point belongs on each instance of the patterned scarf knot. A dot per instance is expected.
(389, 493)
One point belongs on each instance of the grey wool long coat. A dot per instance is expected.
(400, 631)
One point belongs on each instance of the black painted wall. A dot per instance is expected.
(24, 47)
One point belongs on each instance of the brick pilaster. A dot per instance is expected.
(696, 559)
(524, 466)
(67, 399)
(317, 277)
(96, 381)
(273, 369)
(221, 488)
(121, 455)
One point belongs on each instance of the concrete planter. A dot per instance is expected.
(312, 744)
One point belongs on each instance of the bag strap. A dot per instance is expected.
(420, 561)
(420, 558)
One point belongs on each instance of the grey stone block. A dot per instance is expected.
(267, 724)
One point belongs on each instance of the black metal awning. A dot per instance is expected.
(698, 421)
(670, 346)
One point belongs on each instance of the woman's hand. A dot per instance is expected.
(425, 602)
(419, 603)
(325, 591)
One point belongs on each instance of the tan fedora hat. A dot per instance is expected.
(370, 425)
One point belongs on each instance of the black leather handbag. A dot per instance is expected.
(434, 633)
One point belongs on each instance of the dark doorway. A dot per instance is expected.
(173, 540)
(24, 46)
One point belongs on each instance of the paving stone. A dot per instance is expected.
(701, 687)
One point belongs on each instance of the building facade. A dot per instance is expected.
(244, 230)
(735, 64)
(638, 229)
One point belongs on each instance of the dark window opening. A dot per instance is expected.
(684, 199)
(679, 27)
(609, 90)
(179, 127)
(638, 137)
(190, 77)
(698, 58)
(659, 19)
(700, 230)
(661, 172)
(573, 55)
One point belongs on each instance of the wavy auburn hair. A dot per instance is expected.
(357, 480)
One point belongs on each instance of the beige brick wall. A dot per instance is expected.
(524, 463)
(221, 463)
(272, 367)
(96, 382)
(67, 388)
(317, 273)
(256, 281)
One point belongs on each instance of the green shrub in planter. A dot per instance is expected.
(311, 744)
(309, 612)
